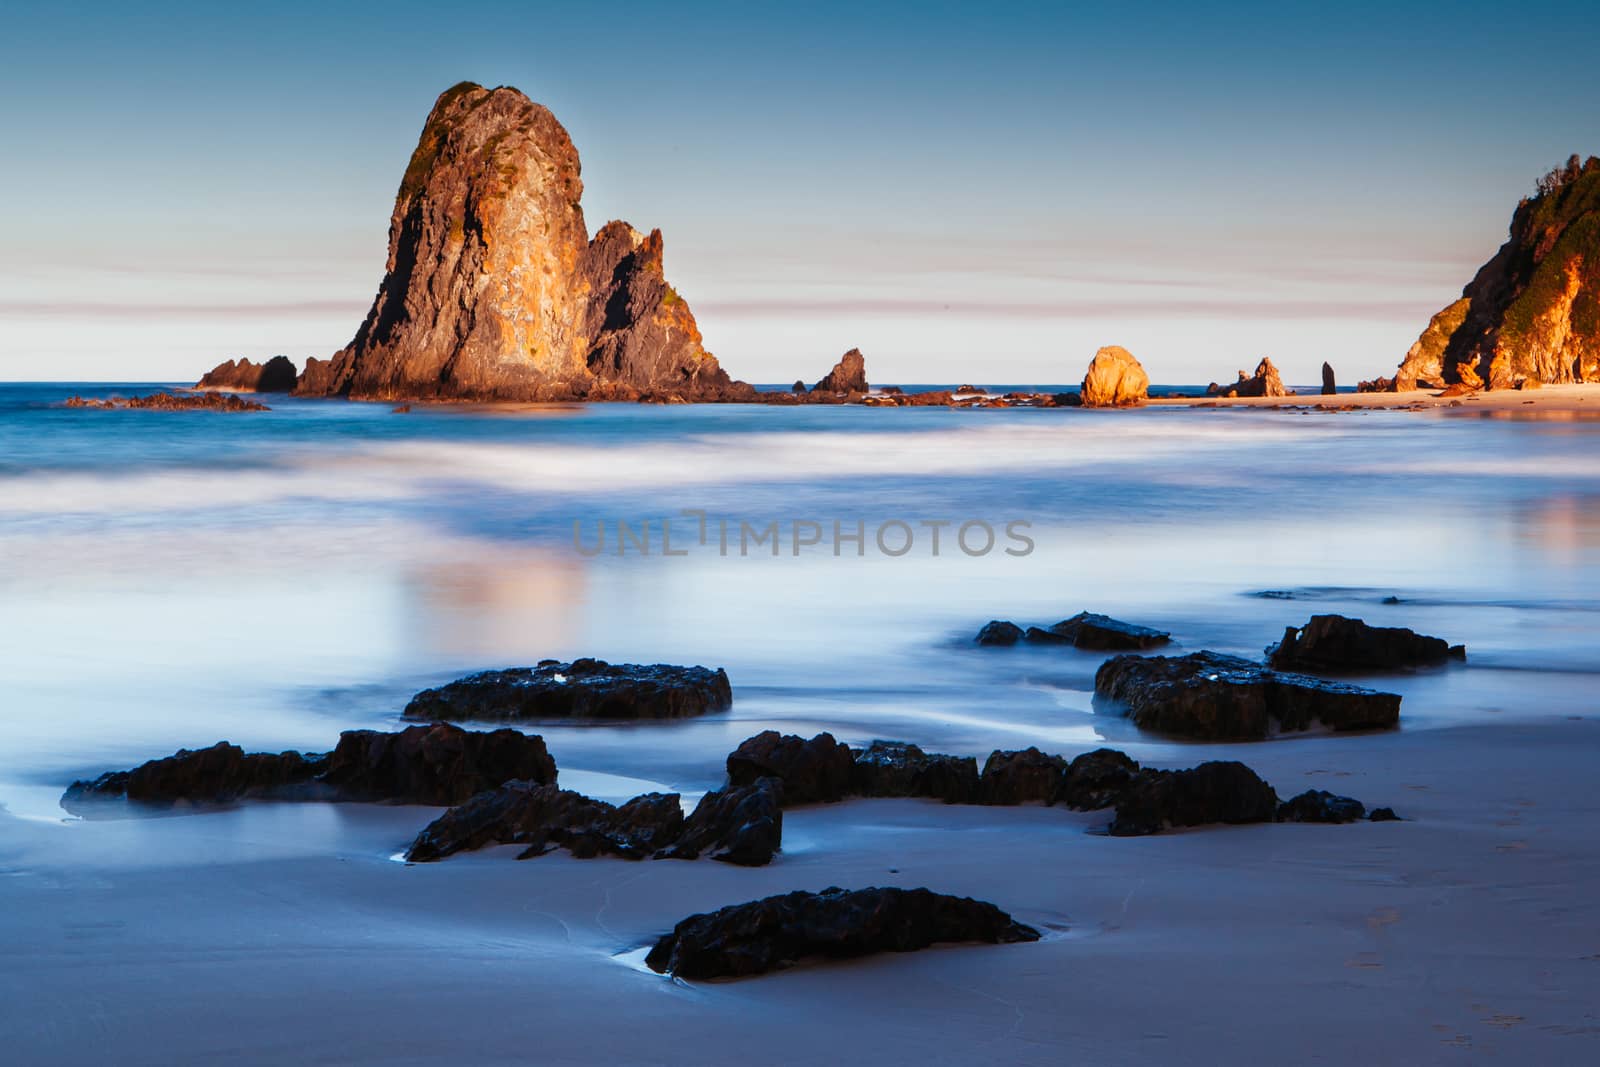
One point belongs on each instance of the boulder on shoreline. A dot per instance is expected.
(1114, 379)
(1319, 805)
(1221, 791)
(1028, 776)
(741, 826)
(1211, 696)
(812, 771)
(434, 764)
(779, 931)
(1094, 780)
(897, 769)
(582, 689)
(1337, 643)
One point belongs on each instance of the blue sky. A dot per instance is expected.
(962, 193)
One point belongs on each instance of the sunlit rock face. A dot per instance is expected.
(1533, 311)
(493, 290)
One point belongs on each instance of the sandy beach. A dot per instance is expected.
(1550, 399)
(1463, 935)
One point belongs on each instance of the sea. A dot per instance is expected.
(170, 580)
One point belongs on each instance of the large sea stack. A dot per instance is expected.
(493, 289)
(1532, 313)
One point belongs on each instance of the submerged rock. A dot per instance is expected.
(897, 769)
(582, 689)
(999, 632)
(1100, 633)
(1215, 792)
(1217, 697)
(778, 931)
(1319, 805)
(819, 769)
(1336, 643)
(1114, 379)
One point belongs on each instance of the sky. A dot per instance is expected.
(967, 192)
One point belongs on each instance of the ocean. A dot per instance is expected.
(175, 579)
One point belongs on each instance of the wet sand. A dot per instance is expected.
(1551, 398)
(1465, 934)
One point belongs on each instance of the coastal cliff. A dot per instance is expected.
(493, 289)
(1532, 313)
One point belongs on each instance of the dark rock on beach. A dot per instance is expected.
(225, 402)
(1216, 792)
(999, 632)
(819, 769)
(741, 825)
(1212, 696)
(1096, 779)
(1319, 805)
(582, 689)
(544, 817)
(764, 935)
(435, 764)
(219, 775)
(897, 769)
(1024, 777)
(1099, 633)
(1336, 643)
(1329, 386)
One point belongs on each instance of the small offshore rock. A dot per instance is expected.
(582, 689)
(1337, 643)
(999, 632)
(1100, 633)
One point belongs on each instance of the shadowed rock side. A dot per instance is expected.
(1212, 696)
(742, 826)
(1329, 386)
(276, 375)
(1533, 311)
(435, 764)
(779, 931)
(1264, 382)
(1114, 379)
(582, 689)
(1335, 643)
(493, 290)
(820, 769)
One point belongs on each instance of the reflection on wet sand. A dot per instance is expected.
(510, 607)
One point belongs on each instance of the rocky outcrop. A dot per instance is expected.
(999, 632)
(435, 764)
(1336, 643)
(741, 826)
(1216, 792)
(779, 931)
(818, 769)
(897, 769)
(1025, 777)
(493, 289)
(1533, 310)
(849, 375)
(1319, 805)
(1264, 382)
(1329, 386)
(167, 402)
(276, 375)
(1099, 633)
(1114, 379)
(1212, 696)
(1096, 779)
(582, 689)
